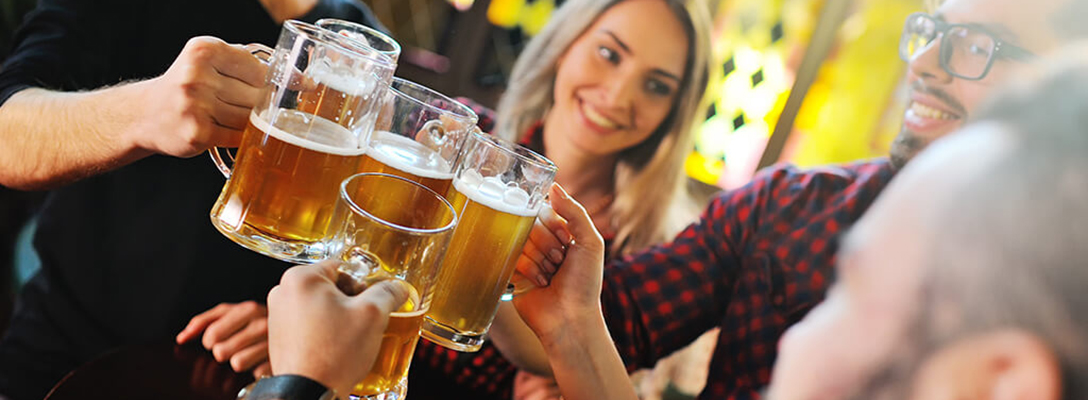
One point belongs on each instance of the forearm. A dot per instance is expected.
(48, 139)
(585, 362)
(517, 342)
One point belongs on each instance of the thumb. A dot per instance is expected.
(387, 295)
(578, 222)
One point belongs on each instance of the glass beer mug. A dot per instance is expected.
(305, 136)
(498, 190)
(365, 34)
(375, 242)
(419, 135)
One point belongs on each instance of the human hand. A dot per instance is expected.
(317, 331)
(202, 100)
(535, 387)
(234, 332)
(282, 10)
(571, 292)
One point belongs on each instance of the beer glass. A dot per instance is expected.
(419, 135)
(374, 244)
(498, 190)
(364, 34)
(306, 135)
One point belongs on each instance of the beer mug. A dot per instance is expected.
(364, 34)
(499, 189)
(375, 242)
(305, 136)
(419, 135)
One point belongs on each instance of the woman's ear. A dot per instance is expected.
(1009, 364)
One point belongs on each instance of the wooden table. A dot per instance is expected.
(158, 371)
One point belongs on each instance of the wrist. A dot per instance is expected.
(133, 131)
(288, 387)
(575, 328)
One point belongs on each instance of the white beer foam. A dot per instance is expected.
(491, 192)
(407, 155)
(344, 82)
(322, 135)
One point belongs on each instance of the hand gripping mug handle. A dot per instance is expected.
(263, 53)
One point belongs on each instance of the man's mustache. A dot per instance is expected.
(943, 96)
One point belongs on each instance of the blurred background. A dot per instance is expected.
(847, 111)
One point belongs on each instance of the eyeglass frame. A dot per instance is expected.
(1002, 49)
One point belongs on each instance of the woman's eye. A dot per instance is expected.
(608, 54)
(657, 87)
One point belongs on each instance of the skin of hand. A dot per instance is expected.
(572, 293)
(234, 332)
(202, 100)
(535, 387)
(565, 311)
(317, 331)
(282, 10)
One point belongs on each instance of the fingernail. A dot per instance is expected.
(548, 267)
(556, 256)
(541, 281)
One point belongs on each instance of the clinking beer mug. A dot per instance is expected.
(308, 132)
(375, 242)
(498, 190)
(418, 136)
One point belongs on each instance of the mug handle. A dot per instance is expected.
(263, 53)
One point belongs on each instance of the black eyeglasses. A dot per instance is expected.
(966, 52)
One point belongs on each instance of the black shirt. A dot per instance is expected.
(128, 256)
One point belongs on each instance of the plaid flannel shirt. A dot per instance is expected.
(759, 258)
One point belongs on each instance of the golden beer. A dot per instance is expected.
(401, 156)
(495, 223)
(394, 357)
(362, 269)
(286, 178)
(398, 155)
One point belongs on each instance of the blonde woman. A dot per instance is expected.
(609, 91)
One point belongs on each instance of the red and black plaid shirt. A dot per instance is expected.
(759, 258)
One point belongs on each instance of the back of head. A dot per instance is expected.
(1013, 245)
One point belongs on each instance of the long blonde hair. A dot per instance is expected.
(652, 202)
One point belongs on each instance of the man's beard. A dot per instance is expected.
(905, 146)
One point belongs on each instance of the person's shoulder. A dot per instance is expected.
(785, 183)
(879, 169)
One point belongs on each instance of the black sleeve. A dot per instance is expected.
(61, 46)
(350, 10)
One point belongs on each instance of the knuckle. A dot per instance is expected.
(371, 309)
(248, 306)
(292, 276)
(274, 294)
(237, 363)
(202, 48)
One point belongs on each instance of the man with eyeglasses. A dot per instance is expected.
(762, 256)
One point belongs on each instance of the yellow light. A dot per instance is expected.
(505, 13)
(536, 15)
